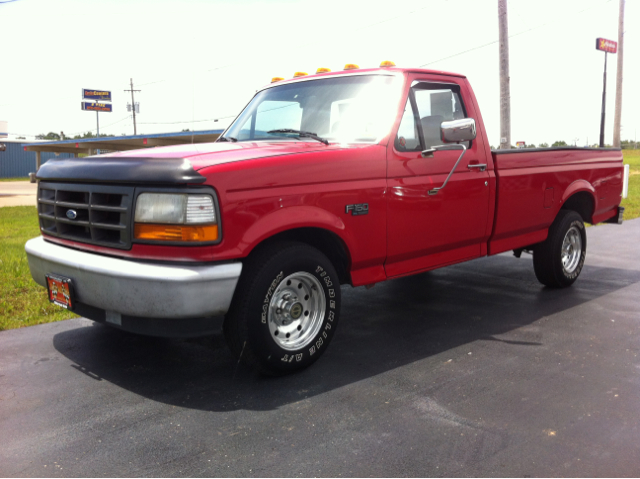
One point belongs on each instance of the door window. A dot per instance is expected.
(428, 105)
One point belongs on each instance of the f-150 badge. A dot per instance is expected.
(356, 210)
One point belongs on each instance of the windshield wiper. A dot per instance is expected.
(227, 138)
(301, 134)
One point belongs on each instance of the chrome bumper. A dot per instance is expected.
(137, 289)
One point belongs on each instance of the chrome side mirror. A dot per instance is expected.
(458, 130)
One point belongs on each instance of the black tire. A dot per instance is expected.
(263, 327)
(551, 268)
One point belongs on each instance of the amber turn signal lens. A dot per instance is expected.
(146, 231)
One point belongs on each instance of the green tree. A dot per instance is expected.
(559, 143)
(89, 134)
(49, 136)
(543, 145)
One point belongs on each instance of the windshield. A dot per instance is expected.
(345, 109)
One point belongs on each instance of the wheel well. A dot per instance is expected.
(327, 242)
(582, 203)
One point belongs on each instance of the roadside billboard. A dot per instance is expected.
(605, 45)
(98, 95)
(90, 106)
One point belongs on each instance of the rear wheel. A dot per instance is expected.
(559, 259)
(285, 309)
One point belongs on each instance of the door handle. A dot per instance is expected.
(481, 167)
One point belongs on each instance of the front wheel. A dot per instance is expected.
(285, 309)
(559, 259)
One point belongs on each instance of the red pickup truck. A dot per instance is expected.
(350, 177)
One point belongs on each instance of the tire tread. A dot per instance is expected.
(236, 329)
(544, 254)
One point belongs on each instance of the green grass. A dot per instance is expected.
(22, 301)
(632, 202)
(25, 303)
(14, 179)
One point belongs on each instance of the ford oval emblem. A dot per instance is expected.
(72, 214)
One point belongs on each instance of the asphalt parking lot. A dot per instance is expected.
(472, 370)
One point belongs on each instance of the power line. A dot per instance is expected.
(111, 124)
(187, 121)
(510, 36)
(380, 22)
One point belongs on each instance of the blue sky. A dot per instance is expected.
(196, 61)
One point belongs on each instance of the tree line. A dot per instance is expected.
(61, 136)
(624, 144)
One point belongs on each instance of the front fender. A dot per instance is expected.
(291, 218)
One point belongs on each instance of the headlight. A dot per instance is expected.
(175, 217)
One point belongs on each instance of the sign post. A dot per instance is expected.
(607, 46)
(98, 105)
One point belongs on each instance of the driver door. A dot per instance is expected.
(426, 231)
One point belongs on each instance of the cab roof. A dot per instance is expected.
(359, 71)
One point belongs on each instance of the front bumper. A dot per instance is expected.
(124, 287)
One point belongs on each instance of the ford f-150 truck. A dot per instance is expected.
(338, 178)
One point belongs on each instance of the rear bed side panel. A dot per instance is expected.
(534, 184)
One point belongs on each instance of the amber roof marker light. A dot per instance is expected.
(351, 66)
(275, 79)
(387, 64)
(300, 74)
(323, 70)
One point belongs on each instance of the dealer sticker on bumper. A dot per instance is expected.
(60, 290)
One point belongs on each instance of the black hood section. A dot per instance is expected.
(120, 170)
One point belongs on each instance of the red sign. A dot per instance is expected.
(60, 291)
(605, 45)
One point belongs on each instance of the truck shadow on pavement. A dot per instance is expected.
(491, 302)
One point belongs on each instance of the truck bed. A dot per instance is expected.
(533, 185)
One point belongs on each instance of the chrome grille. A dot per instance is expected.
(101, 213)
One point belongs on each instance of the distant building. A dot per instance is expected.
(15, 162)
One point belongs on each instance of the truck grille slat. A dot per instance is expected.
(96, 214)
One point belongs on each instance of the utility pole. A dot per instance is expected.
(505, 95)
(133, 107)
(618, 112)
(604, 101)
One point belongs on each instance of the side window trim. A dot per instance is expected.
(434, 85)
(416, 118)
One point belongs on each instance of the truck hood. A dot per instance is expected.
(202, 155)
(176, 164)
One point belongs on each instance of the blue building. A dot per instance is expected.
(16, 162)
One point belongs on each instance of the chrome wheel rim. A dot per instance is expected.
(571, 250)
(296, 311)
